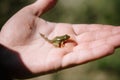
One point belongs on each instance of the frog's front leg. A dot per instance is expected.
(62, 44)
(56, 44)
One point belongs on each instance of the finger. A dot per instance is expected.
(41, 6)
(86, 55)
(114, 39)
(81, 28)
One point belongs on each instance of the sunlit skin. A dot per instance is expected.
(58, 41)
(21, 34)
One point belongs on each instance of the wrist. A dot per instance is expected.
(11, 64)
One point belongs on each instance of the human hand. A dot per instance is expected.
(21, 34)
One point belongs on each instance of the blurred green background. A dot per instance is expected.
(77, 11)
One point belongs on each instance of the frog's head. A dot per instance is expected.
(66, 36)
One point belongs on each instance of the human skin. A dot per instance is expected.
(21, 34)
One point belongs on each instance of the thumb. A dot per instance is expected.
(41, 6)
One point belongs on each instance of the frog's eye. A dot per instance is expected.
(66, 36)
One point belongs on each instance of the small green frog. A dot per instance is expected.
(58, 41)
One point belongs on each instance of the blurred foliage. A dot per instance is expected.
(10, 7)
(85, 11)
(77, 11)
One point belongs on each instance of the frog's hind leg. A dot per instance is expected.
(62, 44)
(56, 44)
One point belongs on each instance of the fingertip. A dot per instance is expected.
(41, 6)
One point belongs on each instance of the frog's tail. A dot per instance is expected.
(43, 36)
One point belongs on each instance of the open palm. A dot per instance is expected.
(90, 42)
